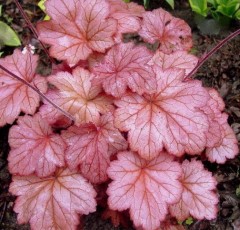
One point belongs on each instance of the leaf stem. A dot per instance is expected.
(32, 28)
(38, 92)
(205, 57)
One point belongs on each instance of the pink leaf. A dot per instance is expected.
(198, 198)
(127, 15)
(226, 149)
(144, 187)
(213, 110)
(215, 106)
(54, 202)
(172, 33)
(170, 118)
(77, 28)
(126, 65)
(178, 59)
(52, 115)
(90, 147)
(221, 140)
(77, 96)
(34, 147)
(14, 95)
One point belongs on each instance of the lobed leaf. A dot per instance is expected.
(54, 202)
(127, 15)
(172, 33)
(78, 96)
(164, 119)
(178, 59)
(146, 188)
(35, 148)
(226, 149)
(15, 95)
(90, 147)
(221, 140)
(198, 198)
(77, 28)
(125, 65)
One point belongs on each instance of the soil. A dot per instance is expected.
(221, 71)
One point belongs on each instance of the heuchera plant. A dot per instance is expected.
(141, 124)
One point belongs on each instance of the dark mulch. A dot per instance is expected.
(222, 72)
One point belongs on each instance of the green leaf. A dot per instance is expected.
(7, 35)
(229, 10)
(227, 2)
(237, 15)
(146, 3)
(0, 10)
(199, 7)
(189, 221)
(127, 1)
(1, 53)
(41, 5)
(43, 8)
(213, 3)
(171, 3)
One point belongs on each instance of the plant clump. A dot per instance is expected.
(141, 123)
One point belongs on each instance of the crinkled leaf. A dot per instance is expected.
(226, 149)
(144, 187)
(221, 140)
(126, 65)
(52, 115)
(213, 110)
(170, 118)
(16, 96)
(77, 28)
(77, 96)
(198, 198)
(53, 202)
(179, 59)
(127, 15)
(35, 148)
(172, 33)
(90, 147)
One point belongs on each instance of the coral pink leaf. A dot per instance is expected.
(214, 107)
(34, 147)
(51, 115)
(178, 59)
(213, 110)
(144, 187)
(77, 96)
(53, 202)
(77, 28)
(172, 33)
(198, 198)
(164, 119)
(126, 65)
(14, 95)
(90, 147)
(221, 140)
(226, 149)
(127, 15)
